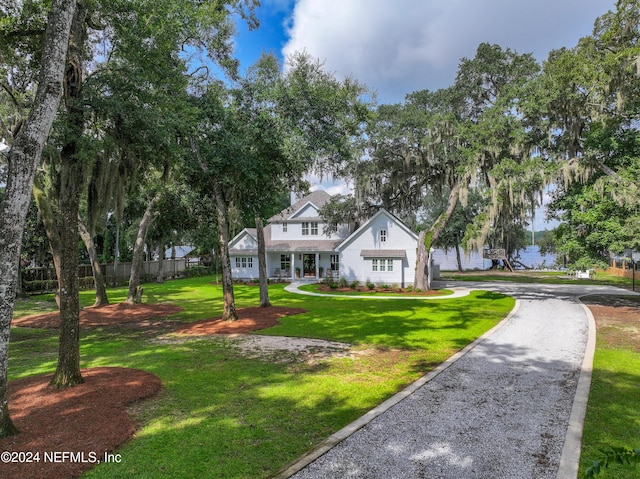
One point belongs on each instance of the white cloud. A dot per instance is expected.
(330, 185)
(408, 45)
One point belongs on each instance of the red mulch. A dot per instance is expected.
(325, 288)
(249, 319)
(101, 316)
(89, 418)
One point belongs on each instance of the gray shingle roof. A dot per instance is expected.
(303, 245)
(383, 253)
(318, 198)
(317, 245)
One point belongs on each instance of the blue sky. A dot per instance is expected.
(401, 46)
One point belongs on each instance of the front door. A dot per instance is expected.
(309, 265)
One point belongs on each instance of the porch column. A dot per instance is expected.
(293, 266)
(317, 265)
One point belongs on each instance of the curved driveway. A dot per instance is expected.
(508, 406)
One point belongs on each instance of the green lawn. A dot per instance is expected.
(613, 417)
(226, 416)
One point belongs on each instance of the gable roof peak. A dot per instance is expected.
(317, 198)
(367, 224)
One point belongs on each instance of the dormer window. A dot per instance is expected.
(383, 236)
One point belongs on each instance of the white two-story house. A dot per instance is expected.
(382, 250)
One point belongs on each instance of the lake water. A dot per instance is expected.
(532, 258)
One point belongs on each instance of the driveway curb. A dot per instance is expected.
(570, 458)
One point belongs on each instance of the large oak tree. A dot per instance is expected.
(256, 140)
(23, 160)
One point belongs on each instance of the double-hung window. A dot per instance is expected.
(381, 264)
(285, 262)
(244, 262)
(335, 262)
(309, 228)
(383, 236)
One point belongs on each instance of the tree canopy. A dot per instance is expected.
(588, 105)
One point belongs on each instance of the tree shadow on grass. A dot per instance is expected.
(448, 324)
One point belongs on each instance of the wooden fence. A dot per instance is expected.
(623, 267)
(44, 280)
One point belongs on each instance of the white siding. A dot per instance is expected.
(294, 232)
(354, 266)
(447, 260)
(308, 211)
(245, 242)
(397, 276)
(250, 269)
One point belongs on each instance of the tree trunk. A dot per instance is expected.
(430, 268)
(432, 235)
(43, 203)
(116, 254)
(98, 277)
(262, 265)
(135, 295)
(229, 310)
(420, 281)
(459, 259)
(24, 158)
(71, 178)
(160, 275)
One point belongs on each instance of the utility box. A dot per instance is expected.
(435, 271)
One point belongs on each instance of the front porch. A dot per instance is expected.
(308, 266)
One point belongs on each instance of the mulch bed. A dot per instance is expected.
(88, 420)
(249, 319)
(325, 288)
(141, 315)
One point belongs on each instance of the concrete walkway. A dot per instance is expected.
(458, 291)
(510, 405)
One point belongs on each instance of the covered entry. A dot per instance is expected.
(309, 265)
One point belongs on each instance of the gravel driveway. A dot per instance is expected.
(500, 410)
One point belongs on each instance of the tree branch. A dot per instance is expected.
(24, 33)
(9, 91)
